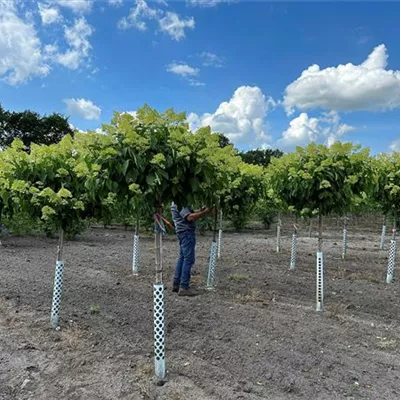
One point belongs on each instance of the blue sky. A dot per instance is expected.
(241, 67)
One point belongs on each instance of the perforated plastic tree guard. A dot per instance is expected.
(57, 290)
(391, 261)
(293, 252)
(135, 262)
(159, 338)
(344, 249)
(383, 237)
(219, 243)
(320, 281)
(211, 265)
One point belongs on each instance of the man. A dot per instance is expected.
(185, 227)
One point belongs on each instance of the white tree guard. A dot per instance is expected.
(57, 290)
(344, 249)
(211, 266)
(383, 237)
(159, 336)
(219, 243)
(135, 261)
(320, 281)
(293, 252)
(391, 261)
(278, 238)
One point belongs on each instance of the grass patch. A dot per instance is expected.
(238, 277)
(145, 369)
(94, 309)
(253, 296)
(72, 336)
(364, 276)
(337, 309)
(385, 343)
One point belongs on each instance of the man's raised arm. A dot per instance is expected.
(194, 216)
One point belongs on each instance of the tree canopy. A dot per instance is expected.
(320, 178)
(31, 127)
(260, 156)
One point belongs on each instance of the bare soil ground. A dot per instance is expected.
(257, 336)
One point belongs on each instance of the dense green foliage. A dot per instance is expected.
(145, 161)
(386, 183)
(30, 127)
(321, 179)
(140, 164)
(261, 157)
(240, 201)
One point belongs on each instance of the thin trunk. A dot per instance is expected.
(345, 222)
(394, 226)
(278, 233)
(158, 245)
(319, 232)
(60, 247)
(344, 250)
(137, 223)
(215, 227)
(310, 228)
(220, 220)
(383, 233)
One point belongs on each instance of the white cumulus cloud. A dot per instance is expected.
(169, 22)
(207, 3)
(83, 108)
(241, 119)
(304, 129)
(182, 69)
(116, 3)
(349, 87)
(211, 59)
(395, 145)
(49, 15)
(186, 72)
(20, 47)
(138, 15)
(77, 36)
(175, 26)
(77, 6)
(196, 83)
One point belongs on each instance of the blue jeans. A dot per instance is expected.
(187, 245)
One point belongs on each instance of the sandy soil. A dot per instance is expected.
(257, 336)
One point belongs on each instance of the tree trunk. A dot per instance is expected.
(215, 228)
(344, 250)
(60, 247)
(278, 233)
(394, 226)
(319, 232)
(137, 222)
(158, 246)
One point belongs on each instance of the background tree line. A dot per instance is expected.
(31, 127)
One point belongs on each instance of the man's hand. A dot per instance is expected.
(198, 215)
